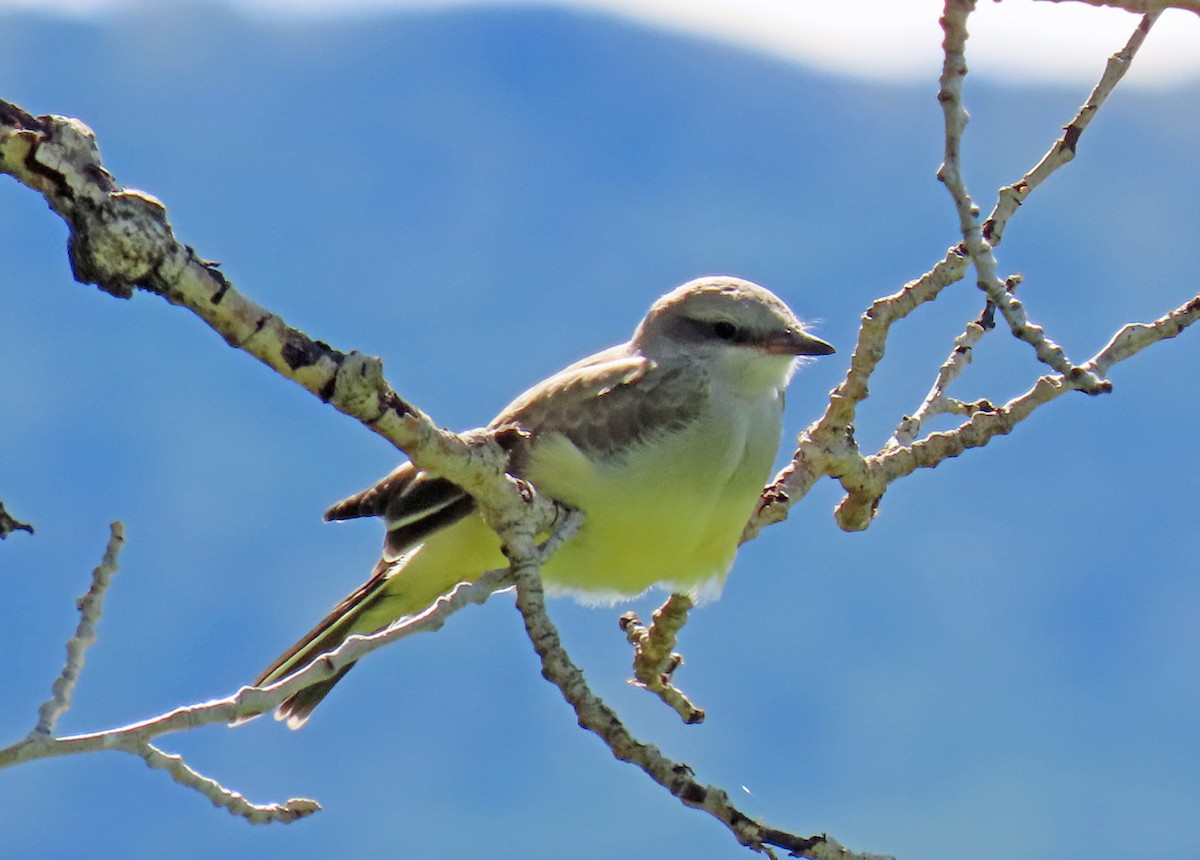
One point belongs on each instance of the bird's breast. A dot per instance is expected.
(667, 511)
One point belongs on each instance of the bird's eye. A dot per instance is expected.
(724, 330)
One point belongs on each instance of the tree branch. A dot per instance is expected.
(597, 717)
(221, 797)
(654, 657)
(121, 240)
(828, 446)
(90, 606)
(248, 702)
(954, 72)
(929, 452)
(1063, 150)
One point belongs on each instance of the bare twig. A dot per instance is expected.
(929, 452)
(597, 717)
(938, 401)
(1135, 337)
(954, 72)
(1009, 199)
(121, 240)
(654, 657)
(1063, 150)
(90, 606)
(828, 446)
(221, 797)
(247, 702)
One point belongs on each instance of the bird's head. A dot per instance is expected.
(739, 327)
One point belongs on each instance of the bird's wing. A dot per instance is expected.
(413, 503)
(602, 404)
(609, 402)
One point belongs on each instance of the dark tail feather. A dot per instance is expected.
(295, 710)
(331, 632)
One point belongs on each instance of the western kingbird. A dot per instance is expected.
(664, 443)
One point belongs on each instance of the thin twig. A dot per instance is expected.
(1008, 200)
(1063, 150)
(954, 72)
(654, 657)
(931, 451)
(223, 798)
(938, 401)
(247, 702)
(135, 738)
(828, 446)
(1152, 7)
(597, 717)
(90, 606)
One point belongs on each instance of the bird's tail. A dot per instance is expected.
(398, 587)
(359, 612)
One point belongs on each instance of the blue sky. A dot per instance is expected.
(1008, 650)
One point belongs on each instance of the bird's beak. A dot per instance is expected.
(797, 342)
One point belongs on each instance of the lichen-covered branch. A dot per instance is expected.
(1063, 150)
(1135, 337)
(654, 657)
(222, 797)
(248, 702)
(954, 72)
(938, 401)
(829, 446)
(121, 240)
(90, 606)
(1009, 199)
(929, 452)
(597, 717)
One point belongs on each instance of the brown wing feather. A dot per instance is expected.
(610, 402)
(413, 503)
(372, 501)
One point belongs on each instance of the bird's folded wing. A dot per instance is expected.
(413, 503)
(604, 404)
(610, 402)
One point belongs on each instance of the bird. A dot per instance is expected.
(664, 444)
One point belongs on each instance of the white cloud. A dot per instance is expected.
(1020, 40)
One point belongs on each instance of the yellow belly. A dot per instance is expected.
(668, 513)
